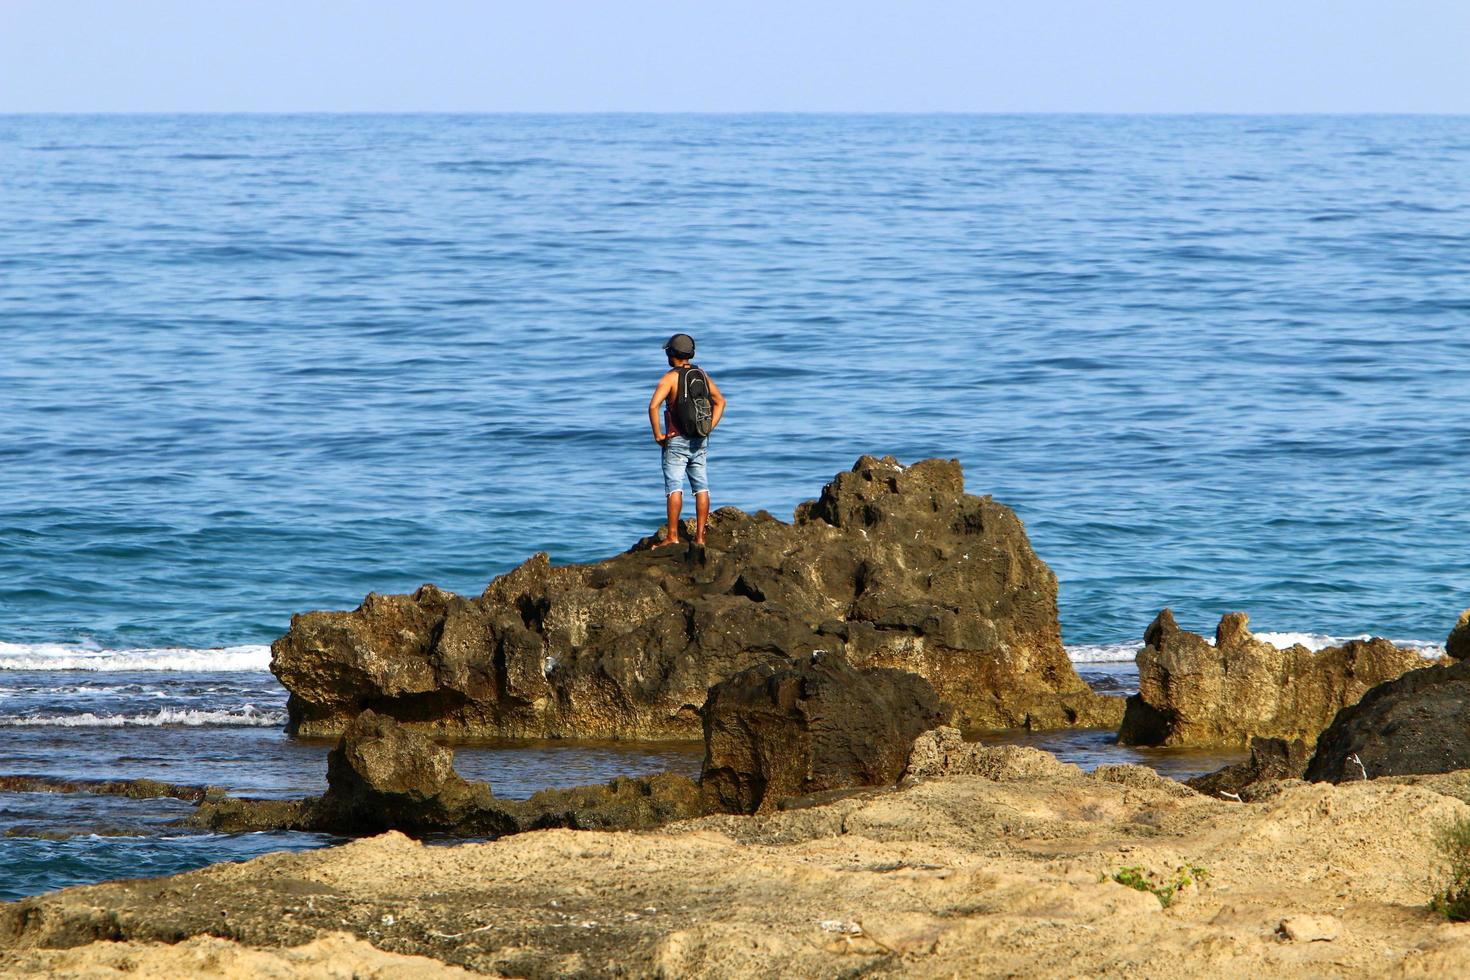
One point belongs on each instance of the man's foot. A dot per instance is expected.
(699, 540)
(666, 542)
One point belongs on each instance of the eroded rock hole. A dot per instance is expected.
(533, 611)
(744, 588)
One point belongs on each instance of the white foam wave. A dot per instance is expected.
(1095, 653)
(1427, 649)
(189, 717)
(1103, 653)
(1312, 641)
(68, 656)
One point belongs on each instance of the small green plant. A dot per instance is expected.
(1159, 886)
(1453, 900)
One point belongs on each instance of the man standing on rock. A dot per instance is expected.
(692, 407)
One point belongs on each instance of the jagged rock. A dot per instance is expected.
(1139, 777)
(943, 752)
(382, 776)
(1417, 724)
(625, 803)
(234, 815)
(1192, 693)
(892, 566)
(814, 725)
(1271, 759)
(1458, 644)
(1309, 928)
(136, 789)
(809, 725)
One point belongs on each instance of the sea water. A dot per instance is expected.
(253, 365)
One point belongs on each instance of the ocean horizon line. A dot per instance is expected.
(748, 113)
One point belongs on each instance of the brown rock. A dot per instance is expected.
(1416, 724)
(809, 725)
(892, 566)
(1271, 760)
(382, 776)
(1309, 928)
(136, 789)
(943, 753)
(234, 815)
(625, 803)
(1458, 644)
(1192, 693)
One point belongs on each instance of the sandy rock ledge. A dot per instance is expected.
(336, 956)
(986, 863)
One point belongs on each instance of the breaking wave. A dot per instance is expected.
(69, 656)
(1103, 653)
(1317, 641)
(1099, 653)
(187, 717)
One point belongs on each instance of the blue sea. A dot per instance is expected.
(254, 365)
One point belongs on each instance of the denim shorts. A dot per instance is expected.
(685, 455)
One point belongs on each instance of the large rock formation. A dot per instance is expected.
(891, 566)
(807, 726)
(1192, 693)
(1417, 724)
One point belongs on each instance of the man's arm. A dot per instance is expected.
(660, 395)
(718, 399)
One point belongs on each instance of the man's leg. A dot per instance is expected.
(701, 515)
(676, 506)
(699, 483)
(675, 461)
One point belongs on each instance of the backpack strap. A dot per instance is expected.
(684, 373)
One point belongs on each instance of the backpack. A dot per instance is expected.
(694, 410)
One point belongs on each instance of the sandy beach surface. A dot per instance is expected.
(1006, 870)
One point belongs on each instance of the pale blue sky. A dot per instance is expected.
(717, 56)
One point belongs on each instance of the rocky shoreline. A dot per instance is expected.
(840, 824)
(983, 862)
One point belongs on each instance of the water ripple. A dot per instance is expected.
(260, 364)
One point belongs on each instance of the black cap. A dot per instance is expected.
(680, 345)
